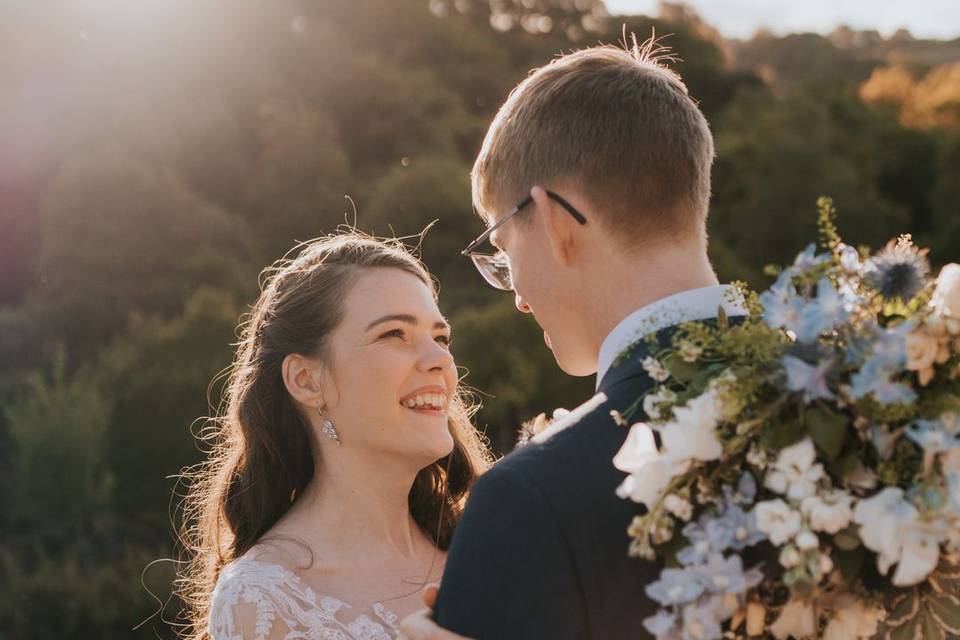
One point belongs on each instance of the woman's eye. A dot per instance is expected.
(444, 340)
(396, 333)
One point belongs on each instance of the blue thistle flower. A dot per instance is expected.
(899, 271)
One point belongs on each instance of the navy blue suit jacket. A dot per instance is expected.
(541, 549)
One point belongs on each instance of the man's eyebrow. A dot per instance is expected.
(405, 318)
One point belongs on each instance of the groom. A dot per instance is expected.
(594, 179)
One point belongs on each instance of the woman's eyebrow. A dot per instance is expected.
(405, 318)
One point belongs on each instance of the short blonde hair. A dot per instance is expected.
(615, 123)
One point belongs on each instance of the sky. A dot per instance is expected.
(938, 19)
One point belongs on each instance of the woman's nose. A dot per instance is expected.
(437, 357)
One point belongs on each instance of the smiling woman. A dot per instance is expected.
(344, 456)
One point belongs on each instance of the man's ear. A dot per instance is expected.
(560, 227)
(301, 377)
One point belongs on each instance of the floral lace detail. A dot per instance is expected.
(282, 606)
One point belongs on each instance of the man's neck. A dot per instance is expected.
(619, 288)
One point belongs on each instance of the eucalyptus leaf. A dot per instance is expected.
(778, 435)
(828, 429)
(680, 369)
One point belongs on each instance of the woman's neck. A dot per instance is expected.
(347, 506)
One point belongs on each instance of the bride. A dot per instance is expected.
(341, 463)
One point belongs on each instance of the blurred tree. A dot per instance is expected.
(63, 485)
(424, 191)
(762, 211)
(160, 376)
(119, 235)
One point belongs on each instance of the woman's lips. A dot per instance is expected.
(546, 339)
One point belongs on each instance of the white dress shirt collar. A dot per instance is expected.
(686, 306)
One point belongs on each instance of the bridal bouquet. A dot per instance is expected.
(800, 469)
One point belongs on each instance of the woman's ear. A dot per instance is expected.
(301, 377)
(558, 226)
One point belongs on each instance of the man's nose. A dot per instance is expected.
(522, 305)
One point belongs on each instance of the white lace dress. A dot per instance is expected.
(256, 600)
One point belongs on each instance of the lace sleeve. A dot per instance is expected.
(263, 601)
(247, 621)
(246, 610)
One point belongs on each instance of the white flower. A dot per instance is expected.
(651, 400)
(852, 619)
(776, 519)
(830, 512)
(797, 620)
(693, 432)
(794, 472)
(789, 557)
(650, 471)
(689, 352)
(849, 258)
(724, 388)
(879, 518)
(921, 551)
(654, 369)
(678, 506)
(826, 564)
(807, 540)
(946, 295)
(892, 527)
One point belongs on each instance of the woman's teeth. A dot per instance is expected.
(427, 401)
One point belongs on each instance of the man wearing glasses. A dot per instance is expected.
(606, 161)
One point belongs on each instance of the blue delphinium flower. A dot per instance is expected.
(663, 625)
(888, 358)
(808, 259)
(675, 586)
(822, 313)
(782, 306)
(744, 526)
(745, 492)
(725, 575)
(877, 379)
(935, 436)
(811, 380)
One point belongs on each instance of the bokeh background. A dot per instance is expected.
(156, 155)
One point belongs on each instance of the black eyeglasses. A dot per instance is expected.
(495, 268)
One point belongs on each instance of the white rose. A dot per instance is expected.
(946, 295)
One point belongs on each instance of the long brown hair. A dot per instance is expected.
(260, 454)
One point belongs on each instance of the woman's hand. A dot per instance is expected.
(420, 626)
